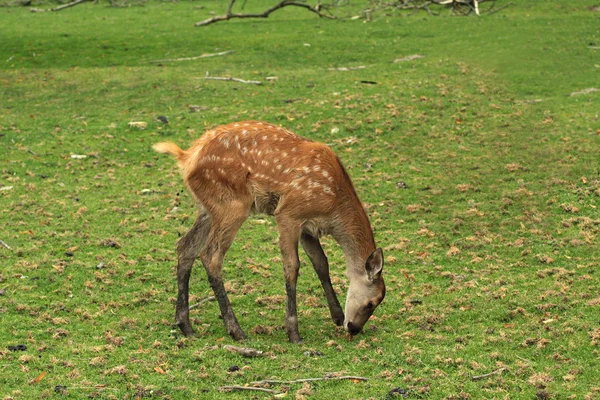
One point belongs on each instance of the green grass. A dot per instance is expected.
(491, 253)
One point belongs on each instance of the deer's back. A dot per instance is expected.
(268, 164)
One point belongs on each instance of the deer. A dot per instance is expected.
(256, 167)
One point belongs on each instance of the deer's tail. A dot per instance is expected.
(173, 149)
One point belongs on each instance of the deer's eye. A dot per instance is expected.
(370, 305)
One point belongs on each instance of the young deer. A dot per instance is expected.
(251, 166)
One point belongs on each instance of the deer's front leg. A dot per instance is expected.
(289, 233)
(313, 249)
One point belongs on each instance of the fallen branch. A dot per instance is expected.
(194, 58)
(496, 372)
(220, 78)
(328, 377)
(240, 388)
(71, 4)
(244, 351)
(264, 14)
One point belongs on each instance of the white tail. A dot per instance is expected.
(239, 168)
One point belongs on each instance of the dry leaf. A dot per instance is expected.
(453, 251)
(40, 377)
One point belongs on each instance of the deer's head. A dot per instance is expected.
(366, 292)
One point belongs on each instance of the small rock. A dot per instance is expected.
(60, 389)
(397, 392)
(110, 243)
(233, 368)
(401, 185)
(101, 265)
(313, 353)
(163, 119)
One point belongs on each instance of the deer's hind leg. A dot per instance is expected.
(289, 234)
(226, 222)
(188, 248)
(313, 249)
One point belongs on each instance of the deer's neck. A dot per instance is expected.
(354, 234)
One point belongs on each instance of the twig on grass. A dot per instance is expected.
(585, 91)
(194, 58)
(71, 4)
(491, 11)
(209, 298)
(328, 377)
(227, 78)
(3, 243)
(240, 388)
(347, 68)
(409, 58)
(496, 372)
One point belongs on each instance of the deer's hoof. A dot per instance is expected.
(186, 329)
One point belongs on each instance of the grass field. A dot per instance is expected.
(492, 248)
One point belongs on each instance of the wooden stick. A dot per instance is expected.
(409, 58)
(325, 378)
(71, 4)
(496, 372)
(3, 243)
(194, 58)
(264, 14)
(347, 68)
(220, 78)
(209, 298)
(491, 10)
(585, 91)
(259, 389)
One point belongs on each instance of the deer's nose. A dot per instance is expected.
(353, 329)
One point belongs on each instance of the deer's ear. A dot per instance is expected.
(374, 265)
